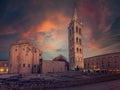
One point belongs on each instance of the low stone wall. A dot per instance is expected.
(49, 84)
(95, 79)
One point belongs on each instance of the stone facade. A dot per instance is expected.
(24, 58)
(75, 43)
(107, 62)
(53, 66)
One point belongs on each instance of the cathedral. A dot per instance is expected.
(75, 42)
(25, 58)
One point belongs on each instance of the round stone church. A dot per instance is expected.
(24, 58)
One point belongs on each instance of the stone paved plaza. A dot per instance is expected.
(54, 81)
(109, 85)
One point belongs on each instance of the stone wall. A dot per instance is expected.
(53, 66)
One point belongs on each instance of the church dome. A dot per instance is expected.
(60, 58)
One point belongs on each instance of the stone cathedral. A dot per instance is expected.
(75, 42)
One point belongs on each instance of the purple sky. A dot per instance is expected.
(45, 23)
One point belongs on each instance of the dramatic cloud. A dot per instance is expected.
(45, 23)
(100, 26)
(50, 34)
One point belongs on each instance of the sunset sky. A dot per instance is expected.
(45, 23)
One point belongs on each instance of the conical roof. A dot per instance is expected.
(75, 15)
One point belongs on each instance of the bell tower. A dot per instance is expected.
(75, 42)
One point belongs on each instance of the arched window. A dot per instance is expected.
(15, 49)
(80, 50)
(77, 40)
(23, 65)
(77, 49)
(28, 65)
(80, 31)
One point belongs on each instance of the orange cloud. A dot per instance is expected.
(46, 26)
(28, 33)
(54, 26)
(55, 23)
(40, 38)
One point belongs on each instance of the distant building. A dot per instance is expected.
(49, 66)
(75, 43)
(61, 58)
(106, 62)
(24, 58)
(3, 66)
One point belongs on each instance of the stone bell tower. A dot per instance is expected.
(75, 42)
